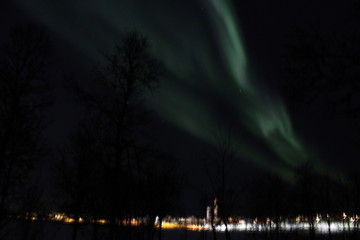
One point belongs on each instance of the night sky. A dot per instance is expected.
(225, 62)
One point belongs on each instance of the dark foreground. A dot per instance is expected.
(49, 230)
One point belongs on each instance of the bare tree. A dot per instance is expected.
(161, 188)
(323, 71)
(30, 208)
(24, 61)
(268, 202)
(218, 170)
(351, 201)
(328, 206)
(323, 75)
(79, 176)
(127, 75)
(307, 195)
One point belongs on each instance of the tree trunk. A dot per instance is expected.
(311, 227)
(95, 230)
(150, 228)
(75, 228)
(329, 228)
(227, 234)
(160, 227)
(112, 225)
(213, 226)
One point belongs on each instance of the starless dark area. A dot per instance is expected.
(115, 110)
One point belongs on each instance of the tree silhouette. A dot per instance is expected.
(351, 201)
(267, 201)
(218, 170)
(80, 176)
(328, 206)
(323, 70)
(137, 178)
(24, 61)
(307, 195)
(31, 206)
(322, 75)
(158, 189)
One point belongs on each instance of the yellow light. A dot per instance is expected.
(168, 225)
(69, 220)
(102, 221)
(134, 222)
(58, 217)
(194, 227)
(191, 227)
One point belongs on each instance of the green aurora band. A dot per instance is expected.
(208, 84)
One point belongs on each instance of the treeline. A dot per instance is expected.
(310, 196)
(313, 197)
(109, 169)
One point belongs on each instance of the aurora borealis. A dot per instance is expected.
(210, 80)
